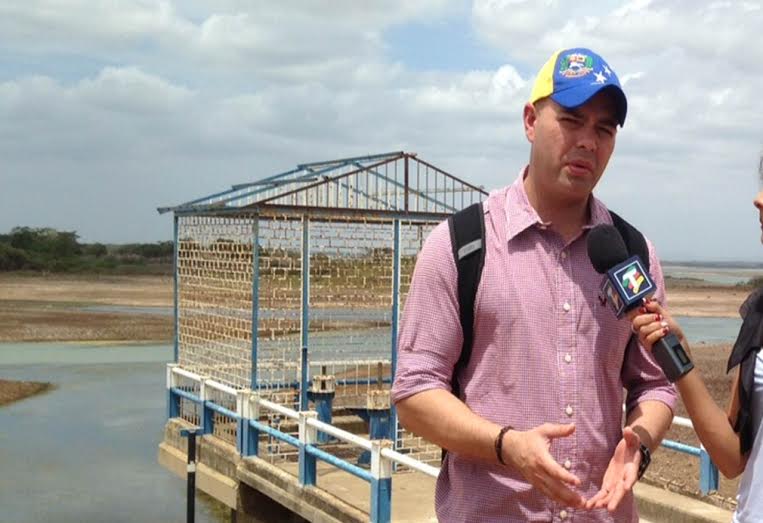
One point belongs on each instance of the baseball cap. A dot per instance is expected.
(572, 76)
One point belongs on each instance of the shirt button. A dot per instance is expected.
(566, 307)
(568, 357)
(563, 514)
(569, 411)
(564, 255)
(568, 464)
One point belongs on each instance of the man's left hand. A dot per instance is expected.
(621, 474)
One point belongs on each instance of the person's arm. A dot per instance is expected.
(713, 426)
(441, 418)
(650, 419)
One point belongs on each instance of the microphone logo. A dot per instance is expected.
(632, 281)
(626, 285)
(632, 278)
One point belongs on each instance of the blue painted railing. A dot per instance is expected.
(247, 414)
(709, 478)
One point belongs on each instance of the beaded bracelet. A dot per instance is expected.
(499, 443)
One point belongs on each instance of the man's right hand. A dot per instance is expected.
(528, 452)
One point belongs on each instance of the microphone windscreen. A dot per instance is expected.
(606, 247)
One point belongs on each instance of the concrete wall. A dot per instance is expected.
(255, 489)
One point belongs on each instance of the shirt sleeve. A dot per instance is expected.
(430, 339)
(641, 375)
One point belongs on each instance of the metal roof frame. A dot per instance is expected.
(395, 183)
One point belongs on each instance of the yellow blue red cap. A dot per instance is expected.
(572, 76)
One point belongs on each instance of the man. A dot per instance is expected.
(536, 434)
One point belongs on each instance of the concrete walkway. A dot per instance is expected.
(662, 506)
(413, 498)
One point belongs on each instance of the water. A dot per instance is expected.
(711, 274)
(709, 330)
(86, 451)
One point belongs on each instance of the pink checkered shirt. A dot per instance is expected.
(545, 350)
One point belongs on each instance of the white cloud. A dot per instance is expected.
(132, 105)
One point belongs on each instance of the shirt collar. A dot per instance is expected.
(520, 215)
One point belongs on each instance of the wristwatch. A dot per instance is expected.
(646, 458)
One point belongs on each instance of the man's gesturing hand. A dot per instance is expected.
(529, 453)
(621, 474)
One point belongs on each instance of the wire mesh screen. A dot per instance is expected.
(279, 318)
(280, 306)
(350, 309)
(412, 237)
(350, 289)
(224, 427)
(350, 337)
(215, 297)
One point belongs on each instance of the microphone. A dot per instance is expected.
(626, 285)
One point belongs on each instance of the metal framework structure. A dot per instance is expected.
(284, 282)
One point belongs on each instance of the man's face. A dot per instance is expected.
(570, 147)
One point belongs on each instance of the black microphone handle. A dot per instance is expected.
(672, 357)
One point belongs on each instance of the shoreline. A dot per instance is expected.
(53, 308)
(706, 301)
(12, 391)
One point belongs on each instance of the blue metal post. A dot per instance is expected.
(176, 269)
(242, 429)
(251, 441)
(173, 405)
(395, 320)
(708, 472)
(379, 424)
(208, 419)
(381, 500)
(305, 309)
(173, 399)
(307, 467)
(381, 484)
(247, 436)
(379, 428)
(207, 415)
(303, 386)
(323, 402)
(307, 462)
(255, 298)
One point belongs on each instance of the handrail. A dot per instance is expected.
(331, 430)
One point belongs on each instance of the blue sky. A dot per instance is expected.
(109, 110)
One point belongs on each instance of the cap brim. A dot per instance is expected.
(578, 95)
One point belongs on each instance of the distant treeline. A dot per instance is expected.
(50, 250)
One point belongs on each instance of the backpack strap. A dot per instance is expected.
(467, 237)
(634, 240)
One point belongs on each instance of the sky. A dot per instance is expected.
(110, 109)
